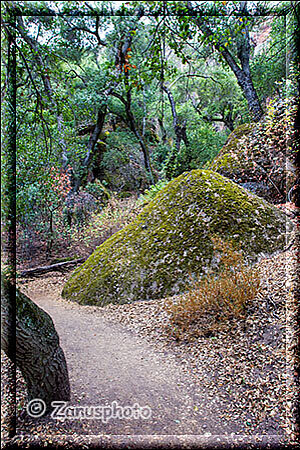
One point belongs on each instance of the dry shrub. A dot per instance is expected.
(114, 216)
(214, 299)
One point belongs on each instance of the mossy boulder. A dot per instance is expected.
(263, 153)
(231, 161)
(171, 240)
(236, 135)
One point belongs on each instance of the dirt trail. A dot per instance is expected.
(109, 363)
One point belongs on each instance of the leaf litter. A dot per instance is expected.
(248, 366)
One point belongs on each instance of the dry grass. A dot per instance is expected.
(215, 297)
(116, 215)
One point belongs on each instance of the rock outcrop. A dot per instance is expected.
(231, 161)
(263, 153)
(171, 240)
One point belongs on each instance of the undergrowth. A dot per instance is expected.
(114, 216)
(150, 193)
(211, 301)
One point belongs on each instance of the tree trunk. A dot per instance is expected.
(9, 211)
(90, 148)
(228, 119)
(143, 147)
(37, 350)
(132, 125)
(175, 118)
(242, 74)
(179, 129)
(245, 82)
(296, 12)
(57, 266)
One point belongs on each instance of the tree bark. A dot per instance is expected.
(175, 118)
(132, 125)
(9, 210)
(226, 119)
(91, 147)
(120, 60)
(37, 350)
(57, 266)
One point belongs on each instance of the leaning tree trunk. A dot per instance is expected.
(241, 70)
(91, 147)
(37, 351)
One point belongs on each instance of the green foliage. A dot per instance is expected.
(98, 190)
(205, 143)
(121, 162)
(69, 72)
(269, 65)
(150, 193)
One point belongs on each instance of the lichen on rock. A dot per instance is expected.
(170, 241)
(232, 160)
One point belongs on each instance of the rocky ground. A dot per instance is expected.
(246, 370)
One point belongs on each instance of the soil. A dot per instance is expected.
(227, 389)
(109, 363)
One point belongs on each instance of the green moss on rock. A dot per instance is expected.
(230, 161)
(170, 240)
(228, 164)
(239, 132)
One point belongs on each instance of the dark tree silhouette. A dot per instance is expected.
(36, 350)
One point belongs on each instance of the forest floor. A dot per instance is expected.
(235, 386)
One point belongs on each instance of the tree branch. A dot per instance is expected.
(195, 75)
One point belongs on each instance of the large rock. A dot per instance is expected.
(263, 153)
(170, 240)
(260, 189)
(232, 160)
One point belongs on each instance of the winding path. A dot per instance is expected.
(109, 363)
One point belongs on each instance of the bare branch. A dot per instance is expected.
(195, 75)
